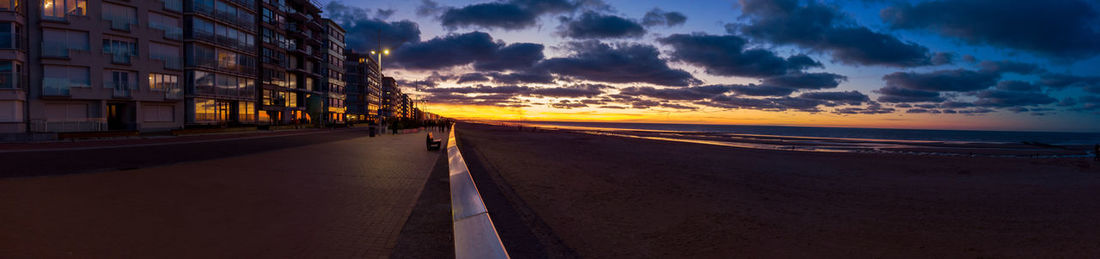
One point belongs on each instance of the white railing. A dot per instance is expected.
(474, 234)
(90, 124)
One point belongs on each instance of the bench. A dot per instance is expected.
(434, 143)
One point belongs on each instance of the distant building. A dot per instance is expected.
(334, 72)
(391, 99)
(364, 88)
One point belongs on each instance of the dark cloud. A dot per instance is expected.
(447, 51)
(686, 93)
(522, 77)
(509, 15)
(568, 104)
(1014, 85)
(622, 63)
(726, 56)
(761, 90)
(500, 100)
(657, 17)
(959, 80)
(942, 58)
(838, 98)
(384, 13)
(428, 8)
(617, 107)
(1062, 29)
(517, 56)
(592, 25)
(894, 94)
(1002, 98)
(679, 106)
(824, 28)
(478, 48)
(363, 31)
(873, 108)
(806, 80)
(1065, 80)
(1006, 66)
(472, 78)
(922, 110)
(573, 91)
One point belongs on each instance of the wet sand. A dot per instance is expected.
(608, 196)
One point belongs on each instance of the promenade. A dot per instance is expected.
(333, 193)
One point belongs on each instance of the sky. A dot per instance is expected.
(951, 64)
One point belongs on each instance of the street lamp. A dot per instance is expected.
(386, 52)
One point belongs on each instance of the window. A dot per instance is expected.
(201, 56)
(202, 29)
(120, 50)
(11, 111)
(292, 99)
(170, 25)
(9, 5)
(203, 6)
(227, 85)
(119, 80)
(205, 110)
(167, 53)
(58, 43)
(10, 35)
(266, 96)
(58, 9)
(245, 88)
(163, 82)
(227, 60)
(57, 80)
(121, 17)
(292, 80)
(246, 112)
(9, 74)
(200, 82)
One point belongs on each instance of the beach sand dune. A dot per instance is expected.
(606, 196)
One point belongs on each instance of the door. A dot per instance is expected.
(223, 112)
(116, 113)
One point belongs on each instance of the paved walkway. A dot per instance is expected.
(346, 198)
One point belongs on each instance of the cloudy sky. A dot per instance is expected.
(977, 64)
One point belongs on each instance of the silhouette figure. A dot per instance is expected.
(1096, 152)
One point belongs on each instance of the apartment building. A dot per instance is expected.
(95, 65)
(391, 98)
(220, 49)
(13, 67)
(363, 86)
(292, 50)
(334, 81)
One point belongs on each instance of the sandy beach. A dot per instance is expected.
(611, 196)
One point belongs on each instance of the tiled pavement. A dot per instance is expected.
(340, 199)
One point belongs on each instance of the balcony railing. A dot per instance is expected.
(119, 22)
(173, 93)
(173, 5)
(170, 32)
(119, 89)
(120, 58)
(55, 86)
(89, 124)
(175, 63)
(55, 49)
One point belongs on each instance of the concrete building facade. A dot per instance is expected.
(99, 65)
(335, 85)
(221, 68)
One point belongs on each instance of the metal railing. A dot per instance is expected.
(89, 124)
(474, 234)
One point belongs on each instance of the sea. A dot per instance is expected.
(962, 136)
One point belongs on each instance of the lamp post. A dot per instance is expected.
(386, 52)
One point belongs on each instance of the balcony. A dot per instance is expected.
(173, 63)
(173, 5)
(89, 124)
(170, 32)
(119, 90)
(57, 49)
(55, 86)
(121, 23)
(121, 58)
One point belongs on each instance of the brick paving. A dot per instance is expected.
(340, 199)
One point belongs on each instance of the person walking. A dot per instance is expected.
(1096, 152)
